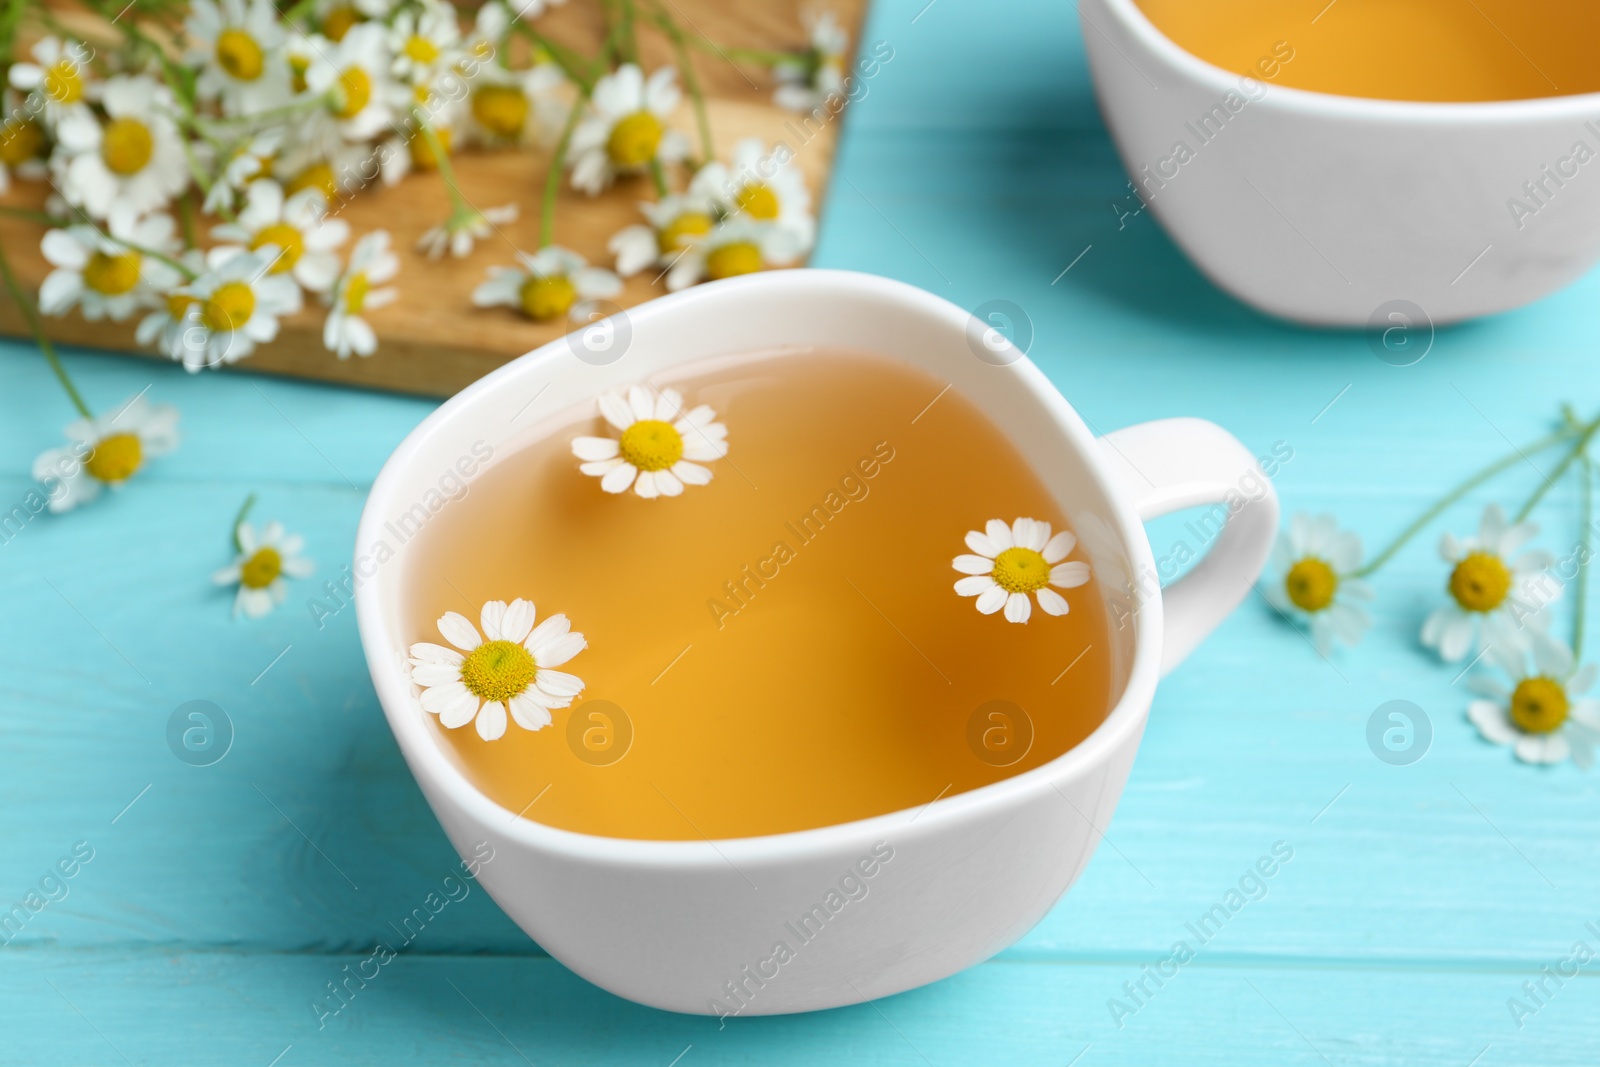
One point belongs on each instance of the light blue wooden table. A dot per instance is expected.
(220, 900)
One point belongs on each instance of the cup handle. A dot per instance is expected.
(1170, 464)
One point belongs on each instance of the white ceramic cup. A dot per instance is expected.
(693, 926)
(1339, 210)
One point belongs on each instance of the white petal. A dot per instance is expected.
(459, 632)
(431, 653)
(529, 713)
(518, 621)
(1069, 575)
(646, 485)
(1018, 607)
(640, 401)
(992, 600)
(552, 628)
(999, 533)
(490, 617)
(973, 564)
(1052, 602)
(559, 651)
(981, 544)
(668, 483)
(1456, 639)
(975, 585)
(492, 721)
(1491, 721)
(619, 478)
(595, 448)
(691, 473)
(1546, 748)
(616, 410)
(559, 683)
(1060, 547)
(437, 698)
(428, 675)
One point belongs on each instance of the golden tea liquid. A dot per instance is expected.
(780, 649)
(1439, 50)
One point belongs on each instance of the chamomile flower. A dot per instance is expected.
(243, 164)
(355, 77)
(106, 450)
(675, 221)
(101, 274)
(297, 226)
(1485, 583)
(131, 164)
(1009, 562)
(424, 40)
(552, 282)
(1542, 714)
(508, 667)
(235, 45)
(661, 448)
(738, 246)
(237, 304)
(806, 81)
(514, 107)
(371, 263)
(465, 227)
(1314, 562)
(626, 128)
(336, 18)
(170, 328)
(264, 561)
(58, 79)
(23, 142)
(763, 186)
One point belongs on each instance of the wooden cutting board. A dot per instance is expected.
(432, 341)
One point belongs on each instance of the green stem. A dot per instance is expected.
(35, 216)
(238, 520)
(447, 170)
(760, 57)
(558, 161)
(186, 220)
(1497, 467)
(1584, 540)
(691, 80)
(1555, 475)
(36, 326)
(659, 176)
(570, 62)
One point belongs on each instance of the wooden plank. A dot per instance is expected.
(432, 340)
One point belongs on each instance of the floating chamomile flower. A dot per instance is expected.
(297, 226)
(1483, 586)
(626, 129)
(675, 221)
(106, 450)
(739, 246)
(465, 227)
(763, 186)
(101, 274)
(371, 263)
(552, 282)
(236, 46)
(59, 77)
(355, 77)
(263, 563)
(1012, 561)
(237, 304)
(508, 668)
(131, 164)
(806, 81)
(661, 447)
(1315, 561)
(1542, 715)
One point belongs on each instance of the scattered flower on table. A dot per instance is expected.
(371, 264)
(237, 45)
(806, 81)
(514, 107)
(23, 142)
(237, 305)
(425, 40)
(762, 185)
(59, 78)
(674, 222)
(551, 283)
(626, 129)
(106, 450)
(167, 328)
(1009, 562)
(463, 229)
(1487, 584)
(354, 75)
(509, 667)
(661, 447)
(131, 163)
(738, 246)
(297, 226)
(1314, 565)
(264, 560)
(103, 277)
(1542, 714)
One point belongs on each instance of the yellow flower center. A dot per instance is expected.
(1311, 584)
(316, 176)
(115, 457)
(337, 22)
(422, 154)
(634, 140)
(1539, 705)
(355, 92)
(737, 257)
(500, 109)
(261, 569)
(63, 82)
(229, 307)
(127, 146)
(1480, 582)
(355, 292)
(419, 49)
(20, 141)
(289, 241)
(298, 65)
(758, 201)
(652, 445)
(239, 54)
(1020, 570)
(498, 670)
(178, 305)
(112, 274)
(548, 297)
(674, 234)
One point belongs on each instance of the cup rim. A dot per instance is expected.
(437, 774)
(1451, 112)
